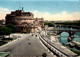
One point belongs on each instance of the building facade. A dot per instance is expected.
(24, 21)
(2, 22)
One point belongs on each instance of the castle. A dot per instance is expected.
(24, 21)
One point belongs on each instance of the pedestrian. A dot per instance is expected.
(44, 54)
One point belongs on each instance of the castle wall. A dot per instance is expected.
(24, 21)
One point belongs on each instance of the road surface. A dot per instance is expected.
(28, 46)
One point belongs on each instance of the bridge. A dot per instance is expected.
(71, 32)
(68, 26)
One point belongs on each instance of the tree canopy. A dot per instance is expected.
(76, 23)
(50, 24)
(12, 27)
(5, 31)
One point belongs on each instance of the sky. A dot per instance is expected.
(52, 10)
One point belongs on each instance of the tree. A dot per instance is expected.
(12, 27)
(45, 23)
(5, 31)
(50, 24)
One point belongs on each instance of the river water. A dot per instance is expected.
(64, 37)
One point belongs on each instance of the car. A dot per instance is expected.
(36, 35)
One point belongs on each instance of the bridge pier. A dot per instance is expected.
(71, 34)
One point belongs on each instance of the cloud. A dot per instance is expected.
(55, 17)
(3, 12)
(46, 15)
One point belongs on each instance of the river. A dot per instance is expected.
(64, 35)
(63, 39)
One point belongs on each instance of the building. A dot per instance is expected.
(2, 22)
(24, 21)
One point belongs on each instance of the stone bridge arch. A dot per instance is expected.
(71, 33)
(64, 34)
(76, 37)
(77, 33)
